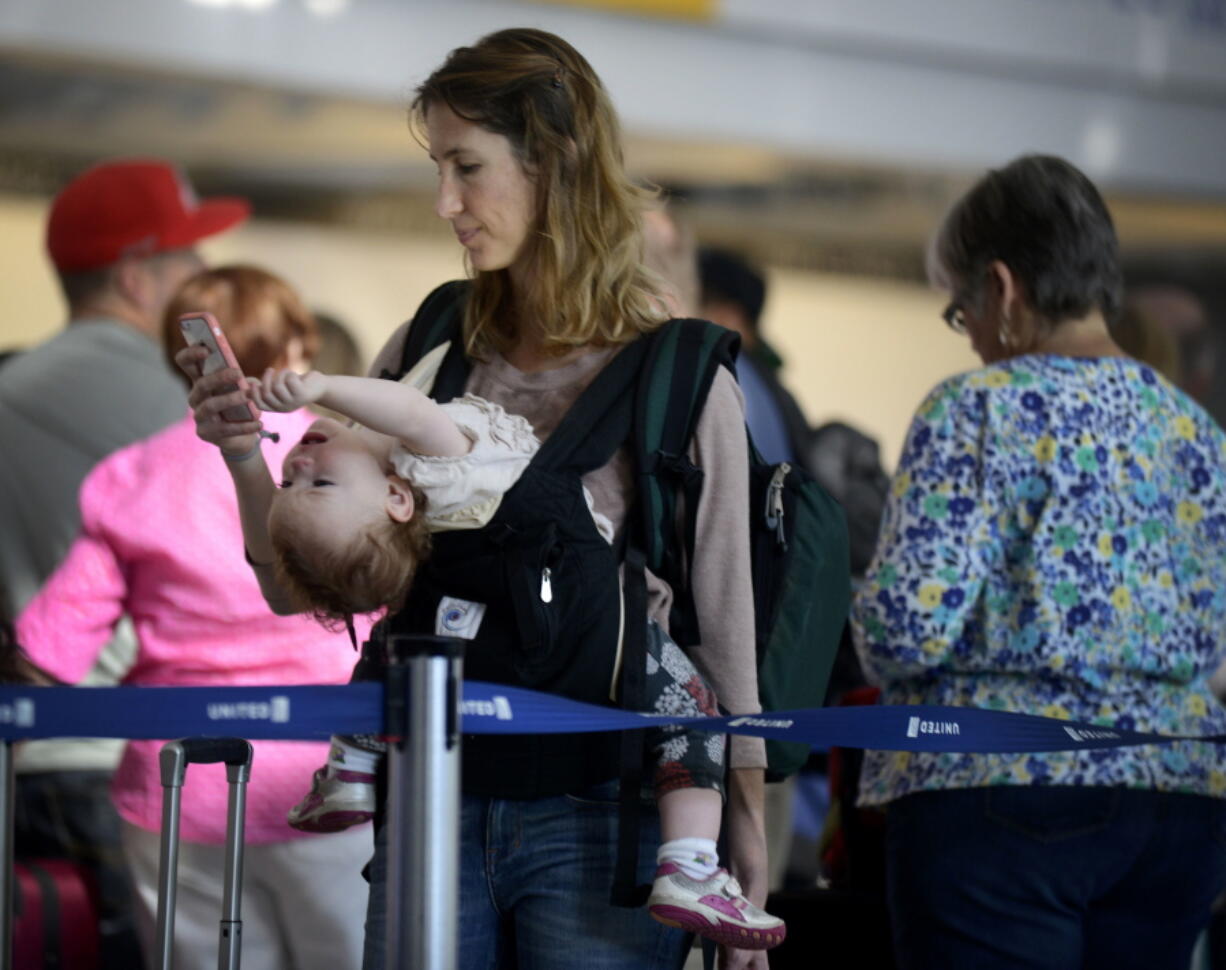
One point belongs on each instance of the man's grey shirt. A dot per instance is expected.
(65, 405)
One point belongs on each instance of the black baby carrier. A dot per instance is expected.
(536, 590)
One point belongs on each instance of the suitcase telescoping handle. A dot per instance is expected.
(203, 751)
(235, 753)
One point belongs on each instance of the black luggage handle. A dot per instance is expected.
(208, 751)
(175, 756)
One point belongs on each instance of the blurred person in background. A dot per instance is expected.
(669, 250)
(120, 237)
(1180, 314)
(338, 352)
(843, 459)
(532, 180)
(732, 294)
(161, 542)
(1054, 544)
(1141, 335)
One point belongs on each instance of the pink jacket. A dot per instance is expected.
(160, 541)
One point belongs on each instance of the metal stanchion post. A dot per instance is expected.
(423, 845)
(8, 797)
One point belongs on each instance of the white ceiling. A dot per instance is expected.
(815, 134)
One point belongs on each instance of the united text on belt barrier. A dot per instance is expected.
(317, 712)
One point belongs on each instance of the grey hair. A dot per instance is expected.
(1046, 221)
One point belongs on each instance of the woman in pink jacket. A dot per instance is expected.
(160, 542)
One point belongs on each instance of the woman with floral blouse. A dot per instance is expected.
(1055, 544)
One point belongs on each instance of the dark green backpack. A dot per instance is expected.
(798, 534)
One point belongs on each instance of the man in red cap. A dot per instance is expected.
(121, 238)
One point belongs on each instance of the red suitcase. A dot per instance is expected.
(56, 915)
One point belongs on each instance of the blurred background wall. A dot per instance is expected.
(822, 139)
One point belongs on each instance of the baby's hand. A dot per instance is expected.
(286, 390)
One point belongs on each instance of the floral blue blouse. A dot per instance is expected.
(1055, 543)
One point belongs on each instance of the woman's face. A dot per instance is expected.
(483, 190)
(996, 320)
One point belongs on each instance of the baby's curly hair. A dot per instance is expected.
(370, 573)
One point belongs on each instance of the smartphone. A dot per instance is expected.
(202, 329)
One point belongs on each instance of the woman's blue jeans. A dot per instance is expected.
(534, 888)
(1052, 878)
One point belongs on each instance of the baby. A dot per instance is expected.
(350, 524)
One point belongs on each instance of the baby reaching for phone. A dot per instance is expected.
(350, 524)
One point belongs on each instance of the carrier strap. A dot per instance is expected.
(673, 389)
(599, 422)
(596, 425)
(627, 891)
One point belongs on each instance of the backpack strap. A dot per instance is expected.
(673, 389)
(674, 378)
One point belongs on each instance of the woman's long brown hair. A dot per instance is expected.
(584, 262)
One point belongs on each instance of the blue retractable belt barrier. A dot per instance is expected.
(316, 712)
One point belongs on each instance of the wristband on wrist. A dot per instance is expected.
(235, 459)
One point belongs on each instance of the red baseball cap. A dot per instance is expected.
(131, 207)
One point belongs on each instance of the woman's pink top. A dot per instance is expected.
(160, 541)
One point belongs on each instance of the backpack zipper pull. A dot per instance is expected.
(546, 585)
(774, 502)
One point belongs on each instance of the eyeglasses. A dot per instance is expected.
(954, 318)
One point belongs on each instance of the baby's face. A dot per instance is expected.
(333, 483)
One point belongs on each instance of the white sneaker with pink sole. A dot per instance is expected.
(714, 908)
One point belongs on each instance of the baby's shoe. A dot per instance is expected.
(713, 907)
(338, 799)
